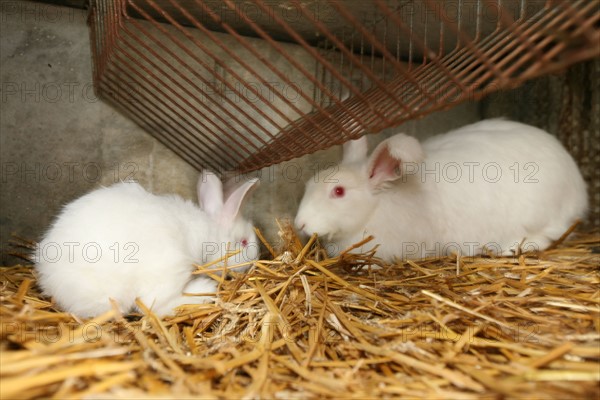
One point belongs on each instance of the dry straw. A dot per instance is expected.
(302, 325)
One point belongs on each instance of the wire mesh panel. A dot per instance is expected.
(246, 84)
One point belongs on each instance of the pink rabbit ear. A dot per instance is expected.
(210, 193)
(387, 160)
(234, 201)
(232, 181)
(355, 150)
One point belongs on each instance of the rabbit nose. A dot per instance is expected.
(300, 225)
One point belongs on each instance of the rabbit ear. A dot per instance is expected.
(355, 150)
(388, 158)
(210, 193)
(234, 201)
(232, 182)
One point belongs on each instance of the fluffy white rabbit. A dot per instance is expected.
(122, 242)
(496, 185)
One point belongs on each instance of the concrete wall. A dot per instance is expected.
(59, 141)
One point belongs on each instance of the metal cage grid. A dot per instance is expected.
(244, 85)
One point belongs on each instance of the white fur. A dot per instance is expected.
(420, 210)
(147, 247)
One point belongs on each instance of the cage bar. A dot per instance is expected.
(232, 85)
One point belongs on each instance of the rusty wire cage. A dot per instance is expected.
(240, 85)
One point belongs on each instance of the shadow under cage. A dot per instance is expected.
(241, 85)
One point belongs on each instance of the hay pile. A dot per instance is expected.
(303, 326)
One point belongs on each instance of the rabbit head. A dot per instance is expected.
(340, 206)
(233, 232)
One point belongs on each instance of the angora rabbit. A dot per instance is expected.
(496, 186)
(122, 242)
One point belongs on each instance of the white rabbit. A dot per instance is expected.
(122, 242)
(495, 185)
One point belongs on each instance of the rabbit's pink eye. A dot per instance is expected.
(244, 242)
(338, 191)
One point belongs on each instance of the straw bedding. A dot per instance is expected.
(304, 326)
